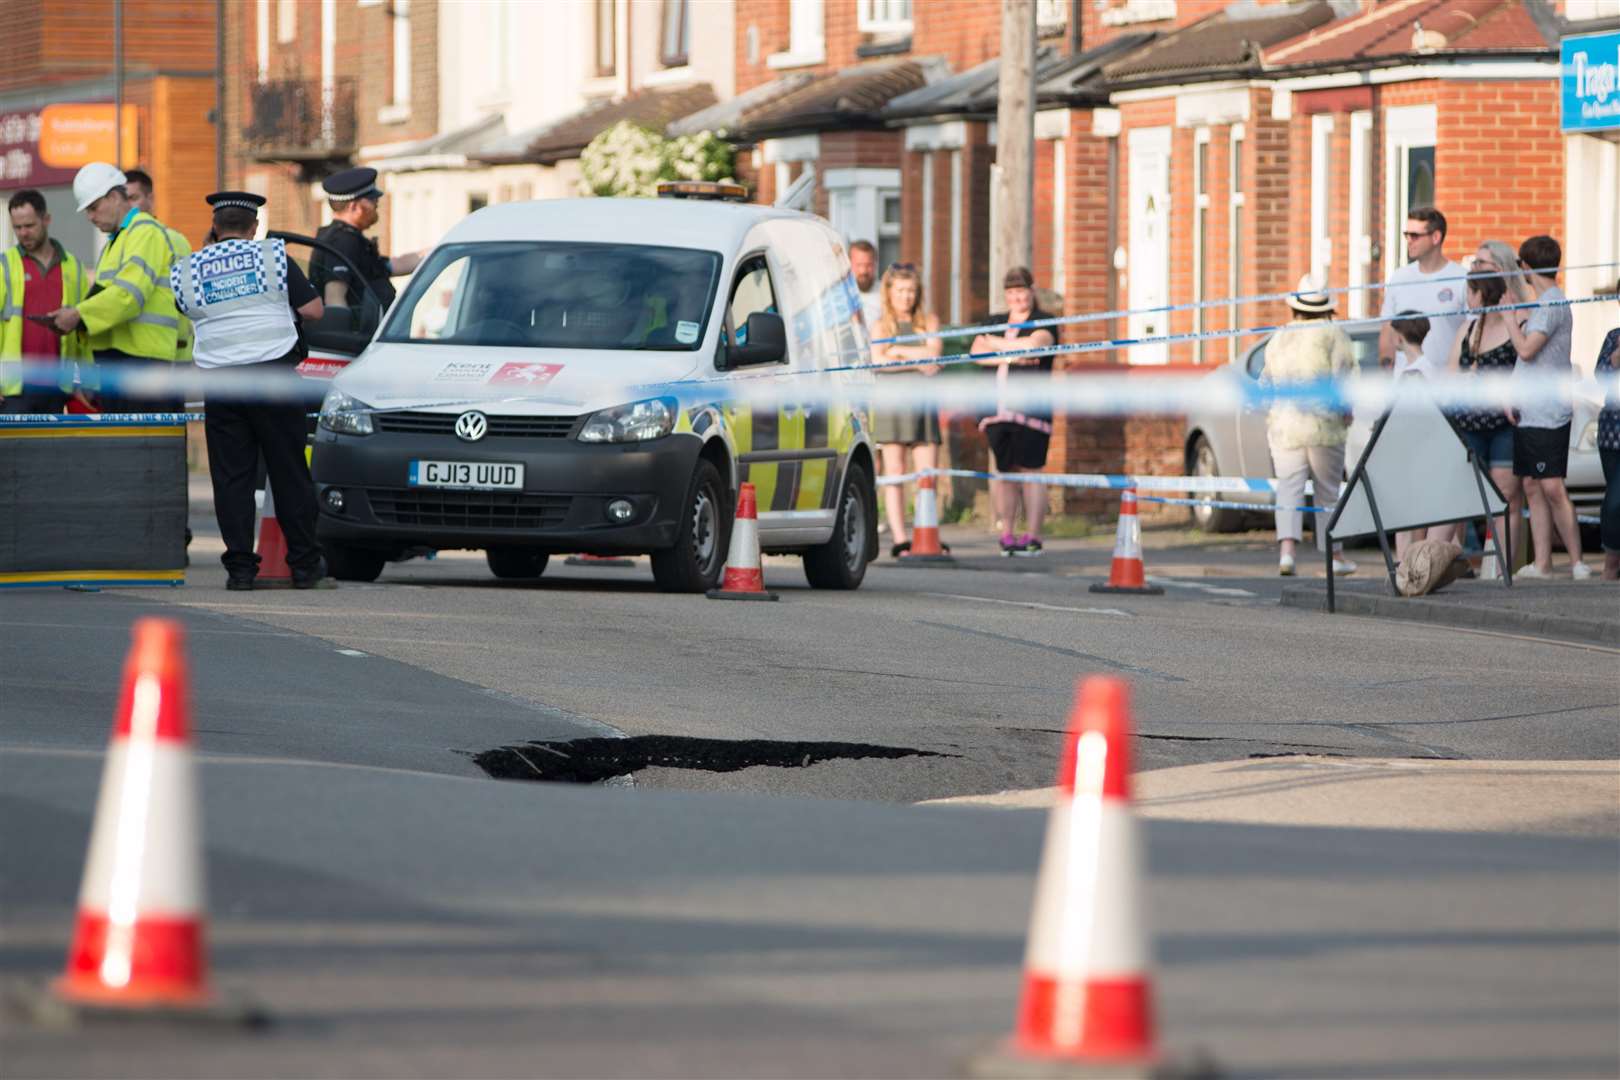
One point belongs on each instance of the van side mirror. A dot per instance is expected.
(764, 341)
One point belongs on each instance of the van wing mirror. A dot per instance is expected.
(764, 341)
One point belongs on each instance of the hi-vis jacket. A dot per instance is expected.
(131, 308)
(235, 292)
(11, 315)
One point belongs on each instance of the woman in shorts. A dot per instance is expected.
(1018, 433)
(1484, 347)
(914, 427)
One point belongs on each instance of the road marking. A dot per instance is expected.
(1212, 590)
(352, 652)
(1032, 604)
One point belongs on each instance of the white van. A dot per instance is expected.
(553, 380)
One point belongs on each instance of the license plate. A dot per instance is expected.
(475, 475)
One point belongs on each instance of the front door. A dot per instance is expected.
(1148, 257)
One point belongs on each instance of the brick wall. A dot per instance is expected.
(1499, 162)
(48, 41)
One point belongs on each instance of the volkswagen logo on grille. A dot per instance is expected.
(472, 426)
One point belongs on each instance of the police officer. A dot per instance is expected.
(241, 295)
(353, 196)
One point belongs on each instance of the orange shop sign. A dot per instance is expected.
(72, 135)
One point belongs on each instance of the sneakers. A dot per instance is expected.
(1532, 572)
(1580, 571)
(1285, 566)
(1343, 567)
(1028, 546)
(1010, 544)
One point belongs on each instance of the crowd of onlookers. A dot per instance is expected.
(1436, 323)
(1433, 325)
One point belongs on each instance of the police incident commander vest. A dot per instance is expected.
(235, 293)
(131, 308)
(11, 316)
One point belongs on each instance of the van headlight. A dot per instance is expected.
(1588, 440)
(635, 422)
(344, 414)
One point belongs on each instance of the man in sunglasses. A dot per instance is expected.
(1429, 284)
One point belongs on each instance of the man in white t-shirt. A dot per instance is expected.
(1431, 285)
(863, 264)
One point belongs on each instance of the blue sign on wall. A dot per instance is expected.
(1591, 76)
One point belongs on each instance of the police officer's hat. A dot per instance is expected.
(247, 200)
(357, 183)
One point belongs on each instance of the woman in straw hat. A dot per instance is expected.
(1307, 438)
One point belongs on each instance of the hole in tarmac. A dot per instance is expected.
(591, 761)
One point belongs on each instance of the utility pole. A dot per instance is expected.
(1015, 138)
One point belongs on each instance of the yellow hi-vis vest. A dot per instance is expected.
(131, 308)
(188, 336)
(72, 345)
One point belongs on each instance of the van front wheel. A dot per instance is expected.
(699, 555)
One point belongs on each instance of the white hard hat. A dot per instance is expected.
(95, 180)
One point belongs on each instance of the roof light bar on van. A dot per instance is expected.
(702, 189)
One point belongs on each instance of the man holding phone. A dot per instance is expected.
(37, 276)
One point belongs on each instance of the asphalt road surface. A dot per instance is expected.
(403, 914)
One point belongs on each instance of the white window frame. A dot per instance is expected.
(399, 107)
(1201, 205)
(883, 16)
(1060, 216)
(262, 42)
(328, 71)
(1361, 128)
(286, 21)
(1051, 14)
(1236, 200)
(956, 236)
(1407, 127)
(1321, 195)
(807, 36)
(855, 203)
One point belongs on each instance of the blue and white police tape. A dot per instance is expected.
(1199, 305)
(1110, 481)
(1112, 344)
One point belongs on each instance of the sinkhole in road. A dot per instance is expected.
(591, 761)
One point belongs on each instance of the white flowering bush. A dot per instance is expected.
(628, 160)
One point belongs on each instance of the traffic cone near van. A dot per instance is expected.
(1127, 574)
(743, 579)
(272, 550)
(925, 545)
(139, 938)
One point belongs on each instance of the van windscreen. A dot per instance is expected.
(559, 296)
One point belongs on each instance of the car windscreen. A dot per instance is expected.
(559, 296)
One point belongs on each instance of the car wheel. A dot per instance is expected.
(699, 555)
(1210, 518)
(516, 563)
(353, 563)
(840, 563)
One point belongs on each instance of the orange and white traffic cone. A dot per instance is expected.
(1127, 574)
(139, 938)
(925, 545)
(743, 580)
(272, 551)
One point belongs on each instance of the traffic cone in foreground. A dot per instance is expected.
(272, 550)
(743, 580)
(1087, 1004)
(1127, 574)
(925, 546)
(138, 941)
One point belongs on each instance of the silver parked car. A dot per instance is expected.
(1219, 442)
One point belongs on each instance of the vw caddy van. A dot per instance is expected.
(555, 378)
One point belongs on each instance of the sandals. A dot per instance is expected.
(899, 549)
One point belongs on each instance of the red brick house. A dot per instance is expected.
(1451, 103)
